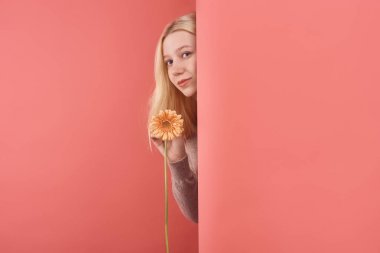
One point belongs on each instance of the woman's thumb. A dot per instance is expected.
(158, 141)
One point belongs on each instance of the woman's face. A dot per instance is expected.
(179, 51)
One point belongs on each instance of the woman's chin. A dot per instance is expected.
(189, 93)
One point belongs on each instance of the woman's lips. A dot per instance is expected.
(184, 82)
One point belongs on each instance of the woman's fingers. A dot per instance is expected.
(158, 142)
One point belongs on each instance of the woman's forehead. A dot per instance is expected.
(177, 40)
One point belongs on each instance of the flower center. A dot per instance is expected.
(166, 124)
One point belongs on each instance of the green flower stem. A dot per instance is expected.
(166, 206)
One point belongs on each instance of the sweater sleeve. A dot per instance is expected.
(185, 188)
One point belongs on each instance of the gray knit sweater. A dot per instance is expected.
(184, 175)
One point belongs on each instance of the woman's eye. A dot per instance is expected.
(167, 62)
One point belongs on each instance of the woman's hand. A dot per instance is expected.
(175, 148)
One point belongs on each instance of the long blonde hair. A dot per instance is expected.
(165, 94)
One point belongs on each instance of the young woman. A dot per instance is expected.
(176, 89)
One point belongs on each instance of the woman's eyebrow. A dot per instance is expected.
(178, 49)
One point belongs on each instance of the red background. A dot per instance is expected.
(289, 126)
(76, 172)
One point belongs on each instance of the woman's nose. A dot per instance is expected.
(178, 69)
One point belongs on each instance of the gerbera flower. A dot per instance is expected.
(166, 125)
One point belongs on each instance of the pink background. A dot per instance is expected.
(76, 172)
(289, 123)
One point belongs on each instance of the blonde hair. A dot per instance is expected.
(165, 94)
